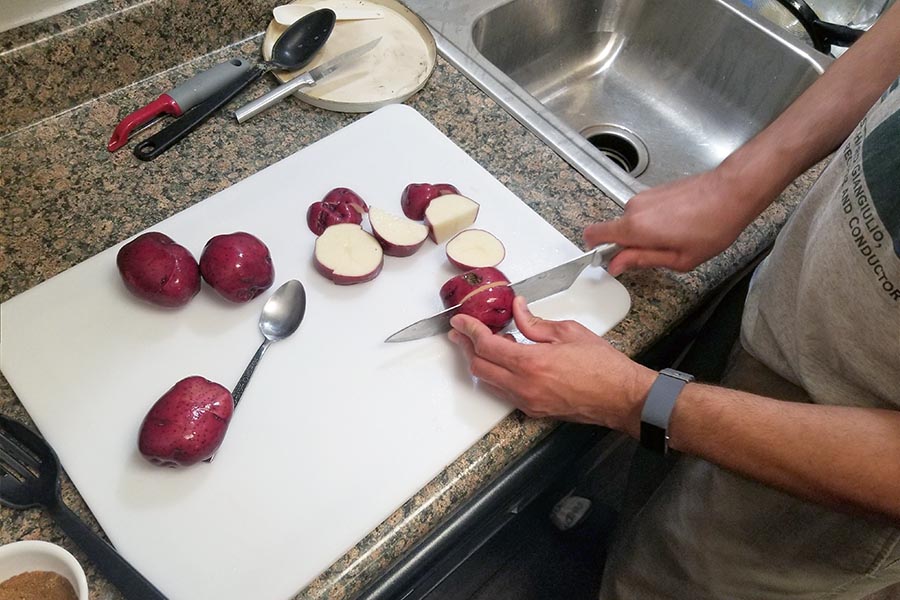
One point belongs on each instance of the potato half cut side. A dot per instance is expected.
(397, 235)
(474, 248)
(346, 254)
(448, 215)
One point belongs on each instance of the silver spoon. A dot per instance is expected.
(281, 315)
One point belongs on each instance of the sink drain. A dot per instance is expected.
(621, 146)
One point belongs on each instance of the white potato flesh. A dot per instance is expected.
(398, 235)
(449, 214)
(475, 248)
(345, 253)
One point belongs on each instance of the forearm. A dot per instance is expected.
(819, 120)
(845, 457)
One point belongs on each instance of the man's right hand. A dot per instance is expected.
(677, 225)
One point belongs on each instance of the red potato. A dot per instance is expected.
(397, 235)
(156, 269)
(342, 195)
(449, 214)
(187, 424)
(340, 205)
(491, 306)
(237, 265)
(473, 248)
(346, 254)
(416, 197)
(460, 287)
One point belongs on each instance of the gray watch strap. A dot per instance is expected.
(658, 408)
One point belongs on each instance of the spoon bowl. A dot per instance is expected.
(283, 311)
(281, 316)
(300, 42)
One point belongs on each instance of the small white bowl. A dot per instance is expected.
(35, 555)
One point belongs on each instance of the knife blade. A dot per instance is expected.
(308, 79)
(544, 284)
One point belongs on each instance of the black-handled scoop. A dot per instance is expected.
(293, 50)
(29, 476)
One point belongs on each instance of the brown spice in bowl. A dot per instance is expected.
(37, 585)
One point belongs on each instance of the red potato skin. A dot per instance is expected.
(344, 195)
(340, 205)
(321, 215)
(396, 250)
(343, 280)
(187, 424)
(459, 286)
(492, 306)
(156, 269)
(237, 265)
(416, 196)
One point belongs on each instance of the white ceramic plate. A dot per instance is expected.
(398, 67)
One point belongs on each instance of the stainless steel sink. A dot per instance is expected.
(631, 93)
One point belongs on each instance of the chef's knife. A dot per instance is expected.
(308, 79)
(178, 100)
(536, 287)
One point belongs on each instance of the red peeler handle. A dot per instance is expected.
(162, 105)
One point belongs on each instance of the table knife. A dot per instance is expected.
(536, 287)
(308, 79)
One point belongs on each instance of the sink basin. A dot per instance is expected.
(631, 93)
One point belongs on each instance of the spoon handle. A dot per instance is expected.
(248, 372)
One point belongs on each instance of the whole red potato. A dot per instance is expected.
(340, 205)
(416, 196)
(458, 287)
(187, 424)
(491, 306)
(156, 269)
(237, 265)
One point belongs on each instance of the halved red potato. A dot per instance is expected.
(449, 214)
(340, 205)
(347, 254)
(474, 248)
(417, 196)
(397, 235)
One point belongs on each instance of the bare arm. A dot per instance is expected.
(844, 457)
(660, 226)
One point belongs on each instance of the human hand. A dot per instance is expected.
(571, 373)
(678, 225)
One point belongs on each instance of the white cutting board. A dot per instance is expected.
(335, 431)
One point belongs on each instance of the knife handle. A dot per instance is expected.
(191, 119)
(604, 253)
(272, 97)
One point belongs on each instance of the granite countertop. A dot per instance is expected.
(65, 198)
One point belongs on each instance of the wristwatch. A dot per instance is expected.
(658, 409)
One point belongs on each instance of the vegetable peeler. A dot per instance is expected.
(178, 100)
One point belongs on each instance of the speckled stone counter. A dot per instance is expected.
(65, 198)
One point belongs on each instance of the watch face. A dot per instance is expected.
(654, 438)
